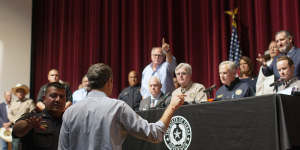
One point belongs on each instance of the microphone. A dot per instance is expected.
(208, 91)
(276, 83)
(210, 88)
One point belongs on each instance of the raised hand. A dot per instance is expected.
(177, 101)
(165, 46)
(36, 122)
(261, 60)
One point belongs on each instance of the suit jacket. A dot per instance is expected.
(145, 103)
(3, 114)
(294, 54)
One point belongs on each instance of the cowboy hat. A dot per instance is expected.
(20, 86)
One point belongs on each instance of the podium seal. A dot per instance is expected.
(179, 134)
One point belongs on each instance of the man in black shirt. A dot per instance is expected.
(131, 95)
(40, 131)
(232, 86)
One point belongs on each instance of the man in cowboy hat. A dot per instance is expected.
(19, 106)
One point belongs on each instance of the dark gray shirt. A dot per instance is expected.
(99, 122)
(131, 95)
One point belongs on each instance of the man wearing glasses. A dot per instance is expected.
(194, 92)
(162, 66)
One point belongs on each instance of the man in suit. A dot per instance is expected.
(4, 122)
(284, 41)
(156, 98)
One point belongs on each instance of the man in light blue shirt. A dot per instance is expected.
(100, 122)
(163, 69)
(81, 93)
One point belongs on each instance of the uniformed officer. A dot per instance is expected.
(194, 91)
(232, 86)
(131, 95)
(286, 68)
(41, 130)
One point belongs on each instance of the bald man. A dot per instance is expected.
(131, 95)
(53, 76)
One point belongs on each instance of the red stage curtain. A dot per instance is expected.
(70, 35)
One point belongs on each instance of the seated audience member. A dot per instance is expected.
(175, 82)
(40, 131)
(156, 98)
(131, 95)
(163, 65)
(81, 93)
(194, 91)
(285, 44)
(286, 68)
(53, 76)
(111, 120)
(263, 83)
(4, 122)
(232, 86)
(247, 72)
(18, 107)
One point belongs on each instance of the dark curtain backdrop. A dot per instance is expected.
(70, 35)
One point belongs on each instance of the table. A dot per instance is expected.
(269, 122)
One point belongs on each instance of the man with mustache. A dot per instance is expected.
(284, 41)
(40, 131)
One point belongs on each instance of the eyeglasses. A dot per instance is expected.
(157, 55)
(181, 73)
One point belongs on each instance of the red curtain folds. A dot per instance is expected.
(70, 35)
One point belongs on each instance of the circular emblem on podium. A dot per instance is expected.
(179, 134)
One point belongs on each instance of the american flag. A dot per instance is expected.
(234, 52)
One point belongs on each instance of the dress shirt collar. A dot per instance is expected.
(289, 82)
(96, 93)
(156, 98)
(18, 100)
(291, 51)
(157, 67)
(233, 83)
(183, 90)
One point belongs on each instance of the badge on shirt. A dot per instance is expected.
(238, 92)
(220, 96)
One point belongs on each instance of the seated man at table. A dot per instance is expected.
(193, 91)
(232, 86)
(157, 98)
(286, 68)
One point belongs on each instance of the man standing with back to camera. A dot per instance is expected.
(100, 122)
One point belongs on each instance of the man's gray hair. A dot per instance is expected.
(232, 66)
(186, 66)
(287, 33)
(155, 78)
(98, 74)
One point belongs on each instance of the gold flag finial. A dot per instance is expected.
(233, 14)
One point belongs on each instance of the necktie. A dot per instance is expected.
(152, 103)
